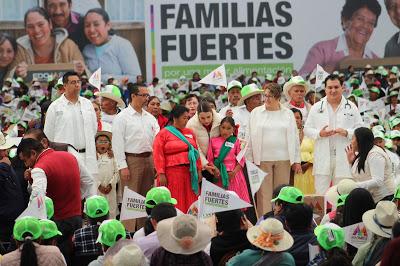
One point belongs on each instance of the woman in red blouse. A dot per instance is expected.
(174, 168)
(153, 107)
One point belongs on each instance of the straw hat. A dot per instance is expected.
(112, 92)
(345, 186)
(295, 81)
(269, 235)
(6, 142)
(183, 234)
(381, 219)
(249, 91)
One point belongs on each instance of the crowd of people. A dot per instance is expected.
(79, 147)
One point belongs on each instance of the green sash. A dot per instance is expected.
(193, 156)
(219, 162)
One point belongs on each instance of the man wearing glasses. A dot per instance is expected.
(134, 131)
(71, 119)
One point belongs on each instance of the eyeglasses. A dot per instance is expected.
(143, 95)
(74, 82)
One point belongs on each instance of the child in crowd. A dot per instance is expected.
(50, 232)
(288, 196)
(84, 243)
(222, 153)
(331, 240)
(108, 175)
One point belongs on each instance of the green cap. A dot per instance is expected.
(25, 98)
(249, 91)
(374, 89)
(269, 77)
(234, 84)
(341, 200)
(49, 207)
(354, 82)
(110, 231)
(291, 195)
(96, 206)
(357, 92)
(394, 70)
(59, 83)
(397, 193)
(25, 225)
(388, 143)
(378, 134)
(393, 93)
(330, 235)
(19, 79)
(158, 195)
(49, 229)
(394, 134)
(88, 93)
(394, 121)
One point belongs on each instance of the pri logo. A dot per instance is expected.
(360, 233)
(39, 201)
(217, 75)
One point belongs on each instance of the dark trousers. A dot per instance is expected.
(67, 227)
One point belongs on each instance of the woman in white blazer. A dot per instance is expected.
(205, 124)
(273, 144)
(331, 123)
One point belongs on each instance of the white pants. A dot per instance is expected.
(323, 182)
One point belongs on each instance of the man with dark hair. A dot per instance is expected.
(392, 47)
(150, 243)
(331, 123)
(134, 130)
(299, 223)
(62, 16)
(38, 134)
(71, 119)
(53, 174)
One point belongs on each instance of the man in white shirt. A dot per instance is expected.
(134, 130)
(71, 119)
(111, 102)
(251, 98)
(331, 123)
(234, 95)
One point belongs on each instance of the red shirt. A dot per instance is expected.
(63, 182)
(162, 121)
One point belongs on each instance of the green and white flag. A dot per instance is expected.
(132, 205)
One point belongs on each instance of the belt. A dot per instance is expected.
(81, 150)
(142, 155)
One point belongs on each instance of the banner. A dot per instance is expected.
(320, 75)
(363, 105)
(256, 176)
(357, 234)
(132, 205)
(36, 208)
(95, 79)
(217, 77)
(183, 37)
(215, 199)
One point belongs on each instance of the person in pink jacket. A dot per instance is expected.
(222, 152)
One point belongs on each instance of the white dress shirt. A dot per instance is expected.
(133, 132)
(65, 122)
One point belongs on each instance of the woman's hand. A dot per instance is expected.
(210, 168)
(79, 67)
(22, 70)
(231, 174)
(351, 155)
(162, 179)
(296, 167)
(304, 167)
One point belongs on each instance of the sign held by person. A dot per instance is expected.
(256, 176)
(95, 79)
(215, 199)
(357, 234)
(36, 208)
(132, 205)
(217, 77)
